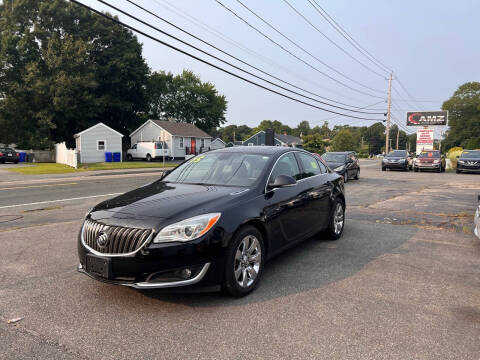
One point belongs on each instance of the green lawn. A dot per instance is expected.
(52, 168)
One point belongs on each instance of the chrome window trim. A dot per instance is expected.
(95, 252)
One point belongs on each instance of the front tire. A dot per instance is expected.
(244, 262)
(129, 157)
(457, 171)
(149, 157)
(415, 169)
(345, 177)
(383, 168)
(357, 175)
(337, 221)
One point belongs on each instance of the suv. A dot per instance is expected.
(148, 150)
(469, 160)
(397, 159)
(8, 154)
(430, 160)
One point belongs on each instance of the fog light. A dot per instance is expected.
(186, 273)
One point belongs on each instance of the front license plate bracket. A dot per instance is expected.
(98, 266)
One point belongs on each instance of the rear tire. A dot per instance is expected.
(244, 262)
(337, 221)
(149, 157)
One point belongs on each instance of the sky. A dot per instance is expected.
(431, 47)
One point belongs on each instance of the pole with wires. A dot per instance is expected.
(389, 105)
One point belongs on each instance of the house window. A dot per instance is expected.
(181, 143)
(101, 145)
(202, 143)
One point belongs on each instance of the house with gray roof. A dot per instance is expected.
(279, 139)
(182, 138)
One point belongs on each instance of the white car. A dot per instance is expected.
(148, 151)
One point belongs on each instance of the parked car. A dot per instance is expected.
(469, 161)
(215, 219)
(397, 159)
(430, 160)
(148, 150)
(343, 163)
(9, 155)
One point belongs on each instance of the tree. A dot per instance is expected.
(276, 125)
(302, 129)
(344, 141)
(315, 143)
(65, 69)
(186, 98)
(464, 117)
(375, 137)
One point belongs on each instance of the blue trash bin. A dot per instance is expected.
(108, 156)
(23, 156)
(117, 157)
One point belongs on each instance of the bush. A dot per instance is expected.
(452, 155)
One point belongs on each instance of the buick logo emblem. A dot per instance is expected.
(102, 239)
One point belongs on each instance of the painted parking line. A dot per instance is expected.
(36, 186)
(60, 200)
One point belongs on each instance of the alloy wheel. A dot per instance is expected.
(248, 258)
(338, 218)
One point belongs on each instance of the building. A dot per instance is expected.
(93, 142)
(235, 143)
(181, 138)
(217, 144)
(279, 140)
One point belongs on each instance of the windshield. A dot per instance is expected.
(331, 157)
(429, 154)
(397, 153)
(232, 169)
(471, 154)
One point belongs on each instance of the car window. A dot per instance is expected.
(333, 157)
(323, 168)
(286, 165)
(309, 164)
(134, 146)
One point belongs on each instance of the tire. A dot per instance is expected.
(333, 232)
(345, 177)
(129, 157)
(439, 169)
(238, 278)
(148, 157)
(383, 168)
(357, 175)
(16, 161)
(415, 169)
(406, 168)
(457, 171)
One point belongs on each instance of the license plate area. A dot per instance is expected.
(98, 266)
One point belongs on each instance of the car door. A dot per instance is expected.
(284, 209)
(133, 151)
(319, 189)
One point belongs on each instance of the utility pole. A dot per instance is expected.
(398, 133)
(389, 104)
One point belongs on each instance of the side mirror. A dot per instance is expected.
(165, 173)
(282, 181)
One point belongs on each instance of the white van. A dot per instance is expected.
(148, 151)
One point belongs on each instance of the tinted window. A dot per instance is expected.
(234, 169)
(397, 153)
(134, 146)
(475, 154)
(286, 165)
(332, 157)
(323, 168)
(309, 164)
(429, 154)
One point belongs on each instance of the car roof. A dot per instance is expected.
(339, 152)
(263, 150)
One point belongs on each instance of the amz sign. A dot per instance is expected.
(427, 118)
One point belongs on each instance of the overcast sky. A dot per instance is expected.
(432, 47)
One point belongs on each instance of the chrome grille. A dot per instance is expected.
(121, 240)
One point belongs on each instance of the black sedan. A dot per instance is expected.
(344, 163)
(469, 161)
(214, 220)
(397, 159)
(8, 155)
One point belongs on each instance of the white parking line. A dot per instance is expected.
(61, 200)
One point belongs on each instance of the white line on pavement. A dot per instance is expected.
(61, 200)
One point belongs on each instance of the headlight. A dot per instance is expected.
(436, 161)
(340, 168)
(385, 160)
(188, 229)
(461, 162)
(417, 160)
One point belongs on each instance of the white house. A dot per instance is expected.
(217, 144)
(93, 142)
(181, 138)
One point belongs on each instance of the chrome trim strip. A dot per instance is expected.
(158, 285)
(95, 252)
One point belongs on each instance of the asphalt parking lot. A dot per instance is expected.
(402, 283)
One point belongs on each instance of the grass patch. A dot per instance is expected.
(53, 168)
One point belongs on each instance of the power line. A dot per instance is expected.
(226, 62)
(292, 54)
(336, 116)
(188, 17)
(348, 37)
(230, 55)
(331, 41)
(207, 62)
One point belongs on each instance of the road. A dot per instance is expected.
(402, 283)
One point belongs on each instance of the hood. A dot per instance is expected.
(332, 165)
(155, 204)
(395, 157)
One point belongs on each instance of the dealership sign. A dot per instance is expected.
(427, 118)
(424, 140)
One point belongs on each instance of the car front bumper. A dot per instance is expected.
(162, 265)
(427, 166)
(394, 165)
(9, 158)
(466, 168)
